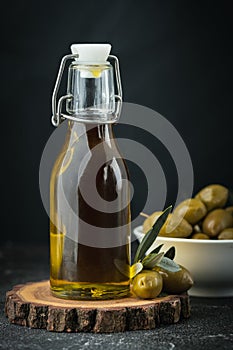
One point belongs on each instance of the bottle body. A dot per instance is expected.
(89, 237)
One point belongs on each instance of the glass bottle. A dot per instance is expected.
(89, 191)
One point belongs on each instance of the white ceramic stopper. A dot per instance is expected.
(91, 53)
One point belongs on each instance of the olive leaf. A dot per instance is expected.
(151, 260)
(135, 269)
(150, 237)
(157, 249)
(127, 270)
(168, 265)
(170, 253)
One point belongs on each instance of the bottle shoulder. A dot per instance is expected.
(79, 158)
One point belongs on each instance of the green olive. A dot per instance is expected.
(176, 282)
(176, 227)
(147, 284)
(200, 235)
(192, 210)
(173, 227)
(216, 221)
(226, 234)
(229, 210)
(150, 220)
(213, 196)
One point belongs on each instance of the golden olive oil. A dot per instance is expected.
(78, 270)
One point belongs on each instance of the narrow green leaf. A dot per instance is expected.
(135, 269)
(151, 260)
(169, 265)
(151, 236)
(170, 253)
(157, 249)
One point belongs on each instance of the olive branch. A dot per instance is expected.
(154, 258)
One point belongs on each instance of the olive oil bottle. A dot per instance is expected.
(89, 191)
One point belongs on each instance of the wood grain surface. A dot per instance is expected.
(33, 305)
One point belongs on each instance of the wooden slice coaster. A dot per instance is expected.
(33, 305)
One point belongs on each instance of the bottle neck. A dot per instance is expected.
(95, 133)
(98, 133)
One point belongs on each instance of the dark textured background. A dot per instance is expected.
(176, 57)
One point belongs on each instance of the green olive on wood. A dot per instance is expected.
(175, 282)
(147, 284)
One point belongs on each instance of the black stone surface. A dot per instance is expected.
(209, 327)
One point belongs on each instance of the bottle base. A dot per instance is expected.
(91, 291)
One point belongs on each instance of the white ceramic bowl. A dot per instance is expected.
(210, 263)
